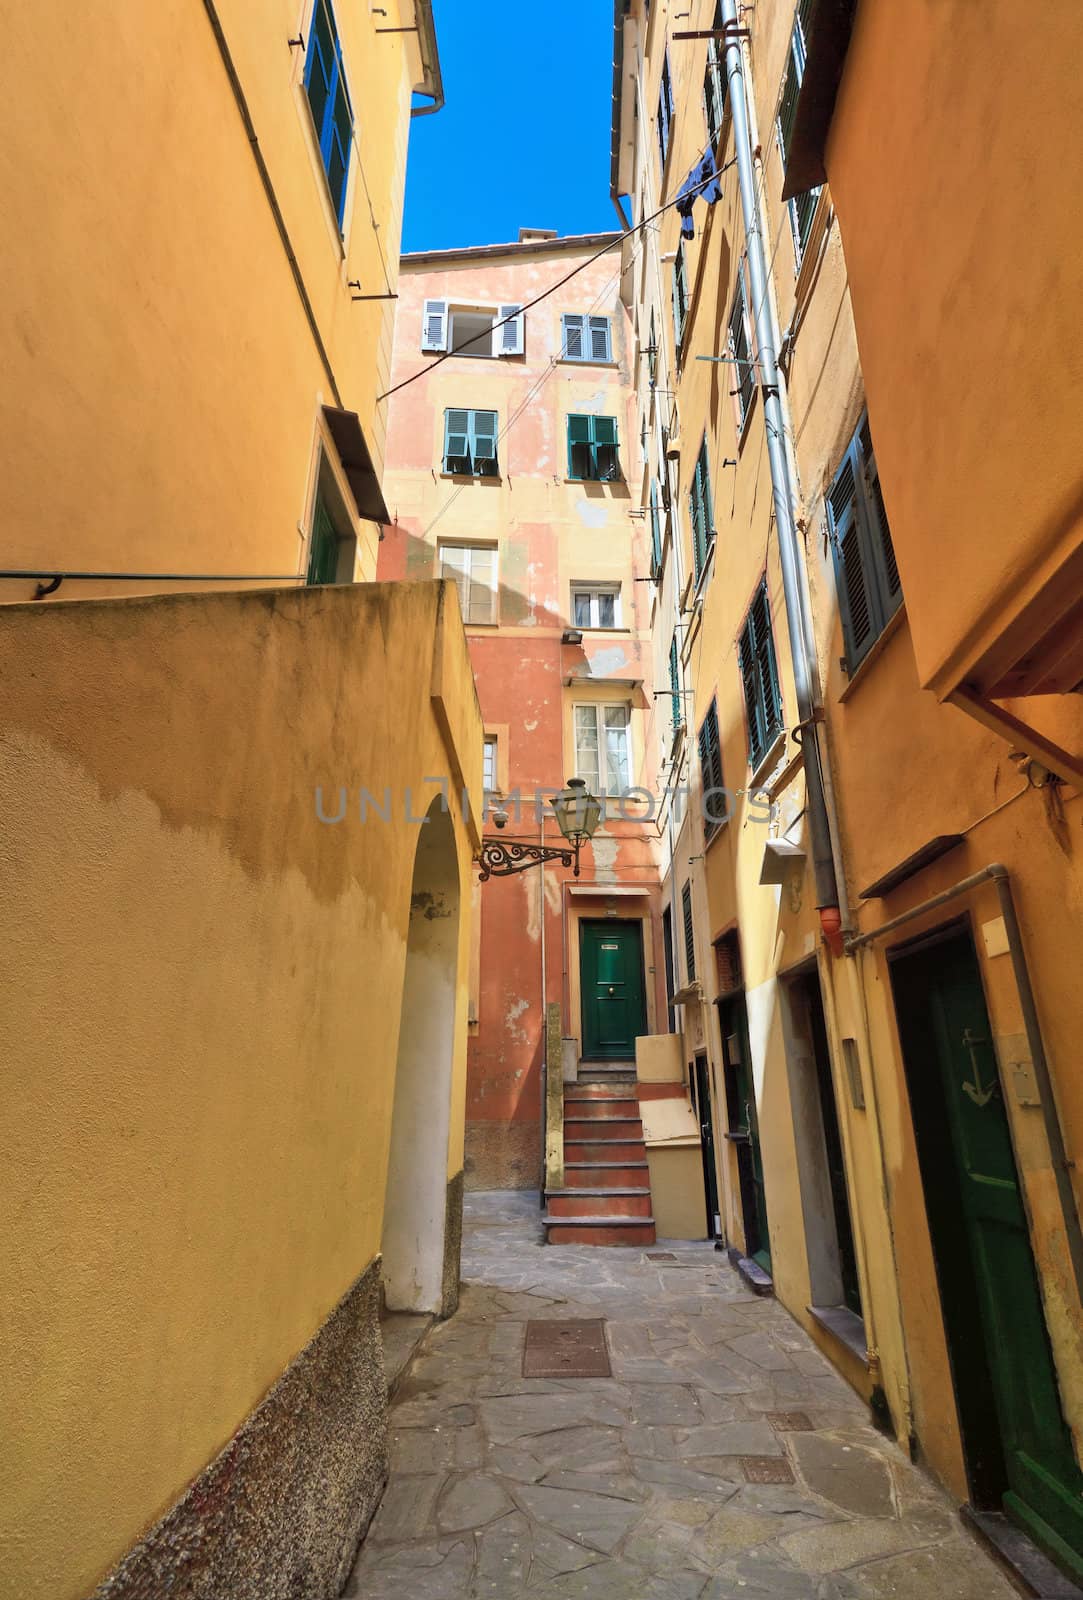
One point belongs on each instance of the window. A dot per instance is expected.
(802, 207)
(592, 448)
(488, 769)
(484, 331)
(701, 511)
(689, 933)
(865, 572)
(710, 765)
(656, 531)
(715, 87)
(473, 569)
(680, 297)
(329, 100)
(665, 110)
(740, 348)
(470, 443)
(652, 354)
(585, 338)
(759, 674)
(597, 606)
(602, 752)
(675, 685)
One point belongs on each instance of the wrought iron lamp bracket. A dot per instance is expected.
(500, 858)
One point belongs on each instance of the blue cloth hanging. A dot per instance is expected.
(703, 182)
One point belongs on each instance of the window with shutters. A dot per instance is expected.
(802, 207)
(715, 803)
(596, 605)
(759, 676)
(656, 530)
(466, 330)
(740, 349)
(701, 511)
(680, 297)
(592, 448)
(329, 102)
(470, 443)
(603, 755)
(715, 86)
(585, 338)
(472, 568)
(689, 933)
(866, 575)
(665, 111)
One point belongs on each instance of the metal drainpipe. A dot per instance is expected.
(823, 860)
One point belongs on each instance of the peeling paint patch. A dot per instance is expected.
(605, 858)
(609, 663)
(591, 513)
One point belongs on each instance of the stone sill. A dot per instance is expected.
(845, 1326)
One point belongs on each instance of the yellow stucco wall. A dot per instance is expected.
(163, 386)
(200, 1017)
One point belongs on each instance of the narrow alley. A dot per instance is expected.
(724, 1457)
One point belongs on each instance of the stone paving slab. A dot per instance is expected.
(634, 1487)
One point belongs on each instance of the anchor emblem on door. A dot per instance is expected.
(976, 1088)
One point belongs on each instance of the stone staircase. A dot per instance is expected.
(606, 1198)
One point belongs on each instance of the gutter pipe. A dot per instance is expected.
(614, 132)
(782, 491)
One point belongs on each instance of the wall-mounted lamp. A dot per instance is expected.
(571, 636)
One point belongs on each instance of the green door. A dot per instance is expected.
(611, 977)
(744, 1129)
(1017, 1445)
(323, 550)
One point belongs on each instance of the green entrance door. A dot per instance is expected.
(1018, 1450)
(611, 980)
(743, 1128)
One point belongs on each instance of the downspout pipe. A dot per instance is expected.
(619, 7)
(823, 861)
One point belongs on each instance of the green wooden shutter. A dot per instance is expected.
(604, 436)
(579, 451)
(323, 545)
(675, 684)
(767, 666)
(746, 658)
(710, 761)
(880, 532)
(483, 438)
(859, 625)
(656, 531)
(457, 441)
(689, 932)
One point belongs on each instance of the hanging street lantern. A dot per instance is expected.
(578, 813)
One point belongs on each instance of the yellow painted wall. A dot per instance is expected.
(966, 267)
(200, 1017)
(162, 383)
(676, 1174)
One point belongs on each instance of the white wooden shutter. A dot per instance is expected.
(434, 325)
(510, 335)
(574, 340)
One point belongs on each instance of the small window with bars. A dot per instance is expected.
(470, 443)
(329, 102)
(592, 448)
(802, 207)
(740, 349)
(472, 568)
(585, 338)
(701, 511)
(689, 933)
(866, 574)
(759, 677)
(715, 802)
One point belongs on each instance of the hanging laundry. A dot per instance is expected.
(703, 182)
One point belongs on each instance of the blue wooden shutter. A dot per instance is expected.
(599, 338)
(573, 340)
(457, 441)
(483, 442)
(604, 435)
(579, 451)
(879, 531)
(859, 626)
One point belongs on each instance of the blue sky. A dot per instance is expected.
(523, 140)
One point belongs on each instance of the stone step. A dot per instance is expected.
(581, 1203)
(604, 1174)
(624, 1090)
(602, 1128)
(600, 1074)
(581, 1151)
(601, 1110)
(599, 1230)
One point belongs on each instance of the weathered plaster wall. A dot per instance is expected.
(201, 1019)
(163, 384)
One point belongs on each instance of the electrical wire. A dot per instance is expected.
(618, 239)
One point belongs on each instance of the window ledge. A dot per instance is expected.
(472, 477)
(844, 1326)
(872, 655)
(603, 483)
(582, 628)
(764, 775)
(582, 361)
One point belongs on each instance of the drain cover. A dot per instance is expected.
(789, 1421)
(766, 1469)
(565, 1350)
(661, 1255)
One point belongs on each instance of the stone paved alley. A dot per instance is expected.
(634, 1487)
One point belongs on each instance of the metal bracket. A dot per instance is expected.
(300, 40)
(500, 858)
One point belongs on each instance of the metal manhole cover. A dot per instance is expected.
(661, 1255)
(565, 1350)
(766, 1469)
(789, 1421)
